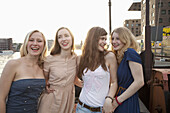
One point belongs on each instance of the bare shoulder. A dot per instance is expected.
(14, 63)
(110, 59)
(110, 56)
(11, 68)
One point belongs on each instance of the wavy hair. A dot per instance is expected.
(56, 49)
(91, 57)
(24, 51)
(128, 39)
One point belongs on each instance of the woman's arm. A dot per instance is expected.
(48, 89)
(46, 71)
(6, 79)
(137, 73)
(77, 81)
(112, 64)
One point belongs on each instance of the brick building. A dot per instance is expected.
(5, 43)
(134, 25)
(159, 13)
(50, 44)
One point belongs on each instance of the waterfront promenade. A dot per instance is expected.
(5, 58)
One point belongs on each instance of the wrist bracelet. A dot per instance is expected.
(110, 98)
(117, 101)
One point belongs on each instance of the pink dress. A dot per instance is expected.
(61, 78)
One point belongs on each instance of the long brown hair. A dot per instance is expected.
(56, 49)
(128, 39)
(91, 57)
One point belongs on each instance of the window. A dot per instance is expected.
(163, 12)
(136, 25)
(160, 4)
(153, 21)
(132, 25)
(160, 20)
(169, 12)
(143, 8)
(127, 25)
(169, 19)
(153, 6)
(169, 4)
(153, 14)
(136, 28)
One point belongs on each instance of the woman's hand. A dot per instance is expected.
(115, 105)
(48, 89)
(78, 82)
(108, 107)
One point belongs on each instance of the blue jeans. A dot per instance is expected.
(82, 109)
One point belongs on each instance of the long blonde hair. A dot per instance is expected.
(91, 57)
(127, 38)
(24, 51)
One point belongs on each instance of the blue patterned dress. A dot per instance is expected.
(23, 95)
(125, 79)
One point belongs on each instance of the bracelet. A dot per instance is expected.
(110, 98)
(117, 101)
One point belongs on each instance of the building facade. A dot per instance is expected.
(5, 43)
(50, 44)
(136, 6)
(134, 25)
(159, 13)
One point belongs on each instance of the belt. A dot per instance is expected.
(93, 109)
(120, 90)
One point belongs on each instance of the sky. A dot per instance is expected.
(18, 17)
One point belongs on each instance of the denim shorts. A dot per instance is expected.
(82, 109)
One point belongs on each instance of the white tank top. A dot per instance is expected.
(96, 87)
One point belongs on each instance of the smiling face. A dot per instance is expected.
(35, 44)
(116, 42)
(102, 42)
(64, 39)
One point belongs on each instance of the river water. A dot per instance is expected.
(5, 58)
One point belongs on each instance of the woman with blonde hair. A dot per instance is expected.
(130, 73)
(97, 68)
(60, 73)
(22, 80)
